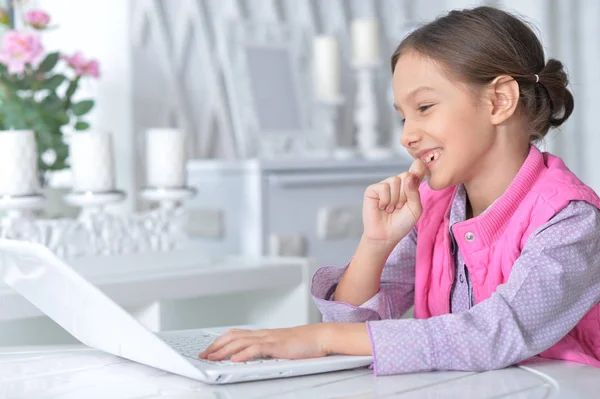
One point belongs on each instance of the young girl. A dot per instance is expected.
(499, 251)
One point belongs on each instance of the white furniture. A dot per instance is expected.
(80, 372)
(293, 207)
(178, 290)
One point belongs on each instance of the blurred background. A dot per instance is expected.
(204, 129)
(160, 63)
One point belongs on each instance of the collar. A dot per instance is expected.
(489, 225)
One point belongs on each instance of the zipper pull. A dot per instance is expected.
(453, 245)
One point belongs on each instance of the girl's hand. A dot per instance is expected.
(301, 342)
(392, 207)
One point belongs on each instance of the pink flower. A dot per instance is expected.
(19, 49)
(82, 66)
(36, 18)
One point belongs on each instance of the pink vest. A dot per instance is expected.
(491, 242)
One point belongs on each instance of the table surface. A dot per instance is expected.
(79, 372)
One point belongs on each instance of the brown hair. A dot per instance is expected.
(479, 44)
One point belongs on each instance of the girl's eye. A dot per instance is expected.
(421, 109)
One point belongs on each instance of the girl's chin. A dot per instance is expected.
(437, 183)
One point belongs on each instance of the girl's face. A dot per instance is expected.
(445, 123)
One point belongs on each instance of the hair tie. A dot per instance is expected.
(537, 78)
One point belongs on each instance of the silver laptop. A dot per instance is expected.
(94, 319)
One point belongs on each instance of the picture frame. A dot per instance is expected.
(266, 75)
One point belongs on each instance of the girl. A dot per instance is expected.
(499, 251)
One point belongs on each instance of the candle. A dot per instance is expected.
(365, 41)
(92, 162)
(326, 68)
(18, 163)
(165, 158)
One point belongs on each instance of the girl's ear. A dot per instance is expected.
(504, 97)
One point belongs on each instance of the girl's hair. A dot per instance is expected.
(479, 44)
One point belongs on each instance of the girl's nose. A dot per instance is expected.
(410, 136)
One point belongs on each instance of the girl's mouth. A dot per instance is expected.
(431, 158)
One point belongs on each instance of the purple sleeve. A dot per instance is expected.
(396, 291)
(553, 284)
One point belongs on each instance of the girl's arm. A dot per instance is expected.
(392, 297)
(391, 209)
(362, 278)
(553, 284)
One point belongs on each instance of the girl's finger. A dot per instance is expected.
(384, 194)
(418, 169)
(252, 351)
(233, 347)
(395, 183)
(225, 339)
(405, 180)
(401, 197)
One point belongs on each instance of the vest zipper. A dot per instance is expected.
(469, 285)
(453, 245)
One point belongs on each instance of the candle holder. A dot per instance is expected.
(18, 224)
(327, 119)
(101, 227)
(165, 222)
(20, 204)
(365, 116)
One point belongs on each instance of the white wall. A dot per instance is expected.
(100, 29)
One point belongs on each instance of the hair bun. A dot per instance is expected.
(555, 80)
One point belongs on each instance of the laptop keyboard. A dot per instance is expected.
(190, 345)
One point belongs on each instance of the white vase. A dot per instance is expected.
(18, 163)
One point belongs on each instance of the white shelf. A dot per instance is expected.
(140, 279)
(297, 164)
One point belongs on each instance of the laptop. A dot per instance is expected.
(94, 319)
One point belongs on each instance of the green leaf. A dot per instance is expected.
(48, 63)
(44, 139)
(83, 107)
(81, 125)
(72, 87)
(61, 116)
(42, 128)
(51, 108)
(61, 150)
(8, 83)
(52, 102)
(54, 82)
(14, 117)
(30, 113)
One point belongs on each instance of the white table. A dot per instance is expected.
(80, 372)
(185, 289)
